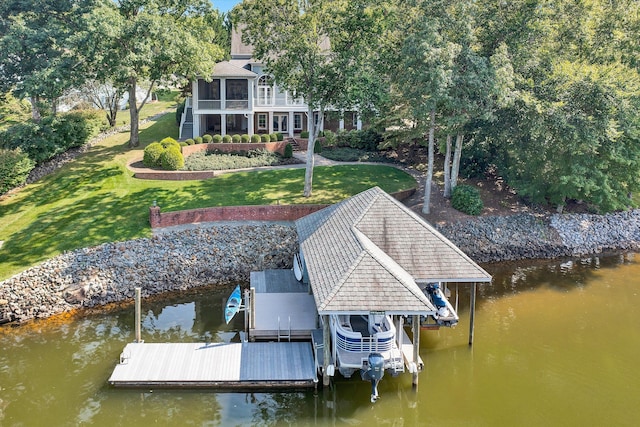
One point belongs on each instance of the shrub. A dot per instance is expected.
(466, 198)
(255, 138)
(280, 136)
(217, 139)
(207, 139)
(329, 138)
(273, 137)
(190, 141)
(198, 139)
(226, 139)
(152, 153)
(288, 151)
(236, 139)
(169, 142)
(183, 144)
(172, 159)
(265, 138)
(223, 161)
(304, 134)
(53, 134)
(317, 146)
(245, 138)
(15, 167)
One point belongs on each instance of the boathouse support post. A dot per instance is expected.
(416, 348)
(472, 312)
(137, 304)
(326, 350)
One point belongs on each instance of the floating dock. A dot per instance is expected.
(246, 365)
(283, 308)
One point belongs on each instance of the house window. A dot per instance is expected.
(265, 90)
(262, 121)
(297, 121)
(237, 89)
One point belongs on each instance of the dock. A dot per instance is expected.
(246, 365)
(284, 309)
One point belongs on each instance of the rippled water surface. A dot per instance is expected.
(555, 344)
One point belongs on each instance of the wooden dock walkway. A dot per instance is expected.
(246, 365)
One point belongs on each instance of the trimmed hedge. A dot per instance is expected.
(198, 139)
(245, 138)
(255, 138)
(304, 134)
(236, 139)
(466, 198)
(207, 139)
(226, 139)
(151, 156)
(190, 141)
(217, 139)
(172, 159)
(15, 167)
(265, 137)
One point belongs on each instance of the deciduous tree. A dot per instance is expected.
(316, 49)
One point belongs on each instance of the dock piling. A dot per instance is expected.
(138, 337)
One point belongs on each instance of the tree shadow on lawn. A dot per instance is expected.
(84, 223)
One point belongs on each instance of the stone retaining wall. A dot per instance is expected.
(223, 255)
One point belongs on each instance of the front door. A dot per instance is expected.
(280, 123)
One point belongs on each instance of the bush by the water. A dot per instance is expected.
(466, 198)
(15, 167)
(53, 135)
(223, 161)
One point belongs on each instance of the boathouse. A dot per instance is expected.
(360, 274)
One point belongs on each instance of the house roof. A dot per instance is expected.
(228, 69)
(369, 252)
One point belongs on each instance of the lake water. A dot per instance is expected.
(555, 345)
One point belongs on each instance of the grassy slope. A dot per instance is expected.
(95, 198)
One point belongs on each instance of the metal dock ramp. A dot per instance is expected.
(246, 365)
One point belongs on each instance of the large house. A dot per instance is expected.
(242, 99)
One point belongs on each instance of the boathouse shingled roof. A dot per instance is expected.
(369, 252)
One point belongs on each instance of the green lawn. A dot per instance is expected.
(95, 198)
